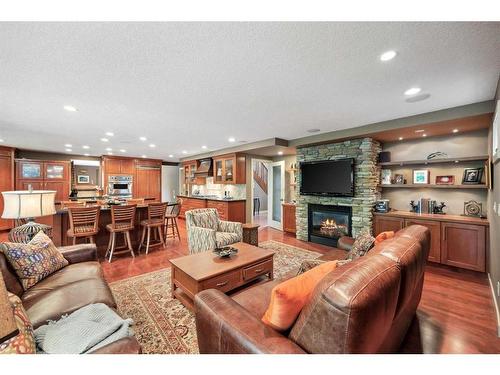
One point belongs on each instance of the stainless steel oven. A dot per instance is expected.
(120, 186)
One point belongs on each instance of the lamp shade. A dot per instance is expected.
(22, 204)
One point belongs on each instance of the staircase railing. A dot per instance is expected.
(260, 175)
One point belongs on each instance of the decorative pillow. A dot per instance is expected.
(35, 260)
(309, 264)
(361, 245)
(24, 342)
(289, 297)
(384, 236)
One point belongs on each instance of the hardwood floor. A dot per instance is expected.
(455, 315)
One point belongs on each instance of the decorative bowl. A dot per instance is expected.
(225, 252)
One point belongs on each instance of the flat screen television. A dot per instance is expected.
(328, 177)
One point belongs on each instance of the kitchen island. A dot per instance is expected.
(60, 225)
(228, 208)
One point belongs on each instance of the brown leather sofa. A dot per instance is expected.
(74, 286)
(365, 306)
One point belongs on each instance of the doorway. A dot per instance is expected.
(276, 196)
(260, 190)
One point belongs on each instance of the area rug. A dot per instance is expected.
(162, 325)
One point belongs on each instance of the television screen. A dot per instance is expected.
(329, 177)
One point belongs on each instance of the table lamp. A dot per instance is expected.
(28, 204)
(8, 326)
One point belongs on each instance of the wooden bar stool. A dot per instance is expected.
(122, 221)
(171, 220)
(83, 223)
(156, 219)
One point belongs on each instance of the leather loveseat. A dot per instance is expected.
(79, 284)
(365, 306)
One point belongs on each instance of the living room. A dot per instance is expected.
(249, 188)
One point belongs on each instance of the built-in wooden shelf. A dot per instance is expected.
(432, 186)
(402, 163)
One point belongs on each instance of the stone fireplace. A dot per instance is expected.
(366, 179)
(328, 223)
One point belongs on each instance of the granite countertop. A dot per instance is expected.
(212, 198)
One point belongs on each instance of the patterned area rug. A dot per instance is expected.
(162, 324)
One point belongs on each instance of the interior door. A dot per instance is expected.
(276, 195)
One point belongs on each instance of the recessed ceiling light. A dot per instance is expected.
(280, 152)
(70, 108)
(144, 156)
(85, 147)
(389, 55)
(420, 131)
(105, 139)
(170, 156)
(314, 130)
(86, 154)
(400, 138)
(110, 134)
(143, 139)
(203, 147)
(109, 149)
(455, 130)
(1, 140)
(122, 150)
(184, 152)
(231, 139)
(152, 145)
(68, 150)
(68, 145)
(110, 153)
(424, 135)
(413, 91)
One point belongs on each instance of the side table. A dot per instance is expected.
(251, 234)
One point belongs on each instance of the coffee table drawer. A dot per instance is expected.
(224, 282)
(258, 269)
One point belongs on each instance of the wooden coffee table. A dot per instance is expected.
(193, 273)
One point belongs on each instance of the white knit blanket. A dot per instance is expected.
(83, 331)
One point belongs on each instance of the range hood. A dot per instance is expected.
(205, 168)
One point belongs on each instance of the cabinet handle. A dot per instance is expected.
(221, 284)
(259, 270)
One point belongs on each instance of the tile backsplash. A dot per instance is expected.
(235, 191)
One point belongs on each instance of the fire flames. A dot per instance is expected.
(330, 228)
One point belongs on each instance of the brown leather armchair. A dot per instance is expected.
(72, 287)
(365, 306)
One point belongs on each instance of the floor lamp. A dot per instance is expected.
(28, 204)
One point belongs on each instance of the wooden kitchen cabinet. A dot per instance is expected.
(191, 204)
(229, 210)
(147, 179)
(6, 180)
(44, 175)
(464, 246)
(118, 166)
(456, 240)
(230, 169)
(435, 228)
(289, 221)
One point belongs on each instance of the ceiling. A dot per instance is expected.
(188, 85)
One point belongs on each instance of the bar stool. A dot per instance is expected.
(83, 223)
(156, 219)
(122, 221)
(171, 221)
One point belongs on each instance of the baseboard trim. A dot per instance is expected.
(495, 303)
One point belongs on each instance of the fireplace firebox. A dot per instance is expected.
(328, 223)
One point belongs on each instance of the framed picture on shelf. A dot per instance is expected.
(83, 179)
(399, 179)
(445, 180)
(386, 175)
(472, 176)
(421, 176)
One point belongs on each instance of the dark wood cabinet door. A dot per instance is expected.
(141, 183)
(61, 188)
(127, 166)
(6, 184)
(435, 228)
(154, 184)
(289, 222)
(385, 224)
(24, 185)
(56, 171)
(112, 166)
(463, 245)
(31, 170)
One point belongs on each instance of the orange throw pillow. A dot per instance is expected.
(289, 297)
(384, 236)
